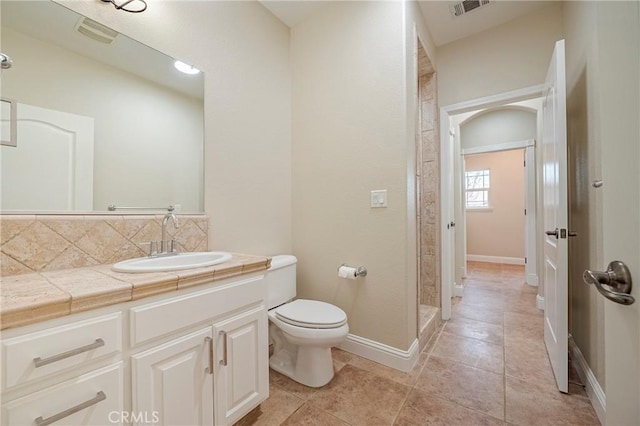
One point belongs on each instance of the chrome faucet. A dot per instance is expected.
(168, 247)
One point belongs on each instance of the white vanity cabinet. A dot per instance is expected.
(236, 318)
(197, 356)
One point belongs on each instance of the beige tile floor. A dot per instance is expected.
(487, 365)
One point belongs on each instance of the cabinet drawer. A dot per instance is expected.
(95, 398)
(166, 316)
(37, 355)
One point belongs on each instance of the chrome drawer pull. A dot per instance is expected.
(224, 348)
(100, 396)
(209, 341)
(41, 362)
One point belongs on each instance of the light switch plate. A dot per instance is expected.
(379, 198)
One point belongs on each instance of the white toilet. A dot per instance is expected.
(302, 331)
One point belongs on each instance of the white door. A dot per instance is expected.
(241, 365)
(172, 384)
(554, 178)
(619, 95)
(51, 168)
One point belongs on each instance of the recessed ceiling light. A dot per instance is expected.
(187, 69)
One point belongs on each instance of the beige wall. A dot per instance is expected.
(496, 126)
(586, 306)
(167, 166)
(603, 65)
(618, 102)
(415, 19)
(349, 137)
(244, 51)
(508, 57)
(499, 231)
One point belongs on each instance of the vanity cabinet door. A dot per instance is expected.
(172, 383)
(241, 364)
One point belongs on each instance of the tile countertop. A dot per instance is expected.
(30, 298)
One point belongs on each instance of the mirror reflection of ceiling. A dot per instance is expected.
(133, 132)
(56, 24)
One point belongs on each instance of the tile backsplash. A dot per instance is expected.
(34, 243)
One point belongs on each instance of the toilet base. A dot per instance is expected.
(311, 366)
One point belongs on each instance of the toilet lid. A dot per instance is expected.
(311, 314)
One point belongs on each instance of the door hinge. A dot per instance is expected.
(525, 212)
(525, 163)
(525, 260)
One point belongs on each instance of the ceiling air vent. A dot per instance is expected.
(96, 31)
(459, 9)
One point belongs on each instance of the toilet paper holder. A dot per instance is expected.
(361, 271)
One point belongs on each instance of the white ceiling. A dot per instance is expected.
(444, 27)
(292, 12)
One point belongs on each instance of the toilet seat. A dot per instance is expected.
(311, 314)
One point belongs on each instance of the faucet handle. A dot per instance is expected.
(153, 247)
(174, 246)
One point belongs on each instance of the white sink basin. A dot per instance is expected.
(173, 262)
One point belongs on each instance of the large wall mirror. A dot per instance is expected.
(100, 119)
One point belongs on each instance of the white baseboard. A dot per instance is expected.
(532, 280)
(381, 353)
(540, 302)
(458, 289)
(595, 392)
(495, 259)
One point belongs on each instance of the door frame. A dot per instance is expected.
(530, 248)
(446, 186)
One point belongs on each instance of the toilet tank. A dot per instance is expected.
(281, 280)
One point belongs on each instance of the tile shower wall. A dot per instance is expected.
(34, 243)
(428, 155)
